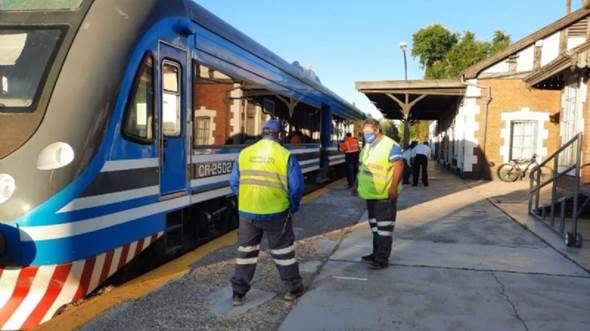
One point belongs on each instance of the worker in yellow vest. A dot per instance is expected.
(269, 184)
(380, 172)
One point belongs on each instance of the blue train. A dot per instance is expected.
(119, 123)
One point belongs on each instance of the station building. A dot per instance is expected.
(527, 100)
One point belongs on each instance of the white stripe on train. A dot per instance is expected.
(131, 164)
(41, 286)
(110, 198)
(59, 231)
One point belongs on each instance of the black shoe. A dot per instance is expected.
(376, 265)
(414, 184)
(368, 258)
(238, 299)
(294, 294)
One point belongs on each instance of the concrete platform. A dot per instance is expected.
(458, 263)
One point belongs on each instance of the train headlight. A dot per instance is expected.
(55, 156)
(7, 187)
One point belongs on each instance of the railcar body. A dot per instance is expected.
(119, 123)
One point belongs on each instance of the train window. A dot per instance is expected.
(18, 5)
(304, 125)
(227, 110)
(171, 99)
(139, 118)
(340, 127)
(25, 58)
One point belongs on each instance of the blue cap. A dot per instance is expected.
(273, 126)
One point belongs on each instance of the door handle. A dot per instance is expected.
(164, 147)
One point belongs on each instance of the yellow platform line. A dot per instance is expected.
(88, 310)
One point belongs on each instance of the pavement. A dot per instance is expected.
(459, 262)
(465, 257)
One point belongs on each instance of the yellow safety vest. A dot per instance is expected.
(375, 170)
(264, 183)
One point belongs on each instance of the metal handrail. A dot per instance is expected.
(536, 185)
(561, 149)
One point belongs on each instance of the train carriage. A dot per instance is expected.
(119, 124)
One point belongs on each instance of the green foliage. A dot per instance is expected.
(431, 44)
(390, 130)
(444, 54)
(418, 131)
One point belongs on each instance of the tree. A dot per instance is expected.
(418, 130)
(390, 130)
(432, 43)
(444, 54)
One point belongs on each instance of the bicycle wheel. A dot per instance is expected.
(546, 173)
(507, 172)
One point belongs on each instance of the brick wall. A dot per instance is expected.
(215, 97)
(512, 95)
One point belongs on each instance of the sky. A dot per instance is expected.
(345, 41)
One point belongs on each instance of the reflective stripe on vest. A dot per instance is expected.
(264, 185)
(375, 170)
(352, 145)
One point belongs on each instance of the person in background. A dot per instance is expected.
(379, 177)
(407, 157)
(351, 149)
(421, 154)
(296, 138)
(269, 184)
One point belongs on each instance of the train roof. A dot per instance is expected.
(213, 23)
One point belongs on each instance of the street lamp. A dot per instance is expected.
(404, 47)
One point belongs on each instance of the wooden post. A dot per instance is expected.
(406, 141)
(568, 7)
(406, 108)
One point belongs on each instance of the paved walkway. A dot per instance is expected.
(458, 263)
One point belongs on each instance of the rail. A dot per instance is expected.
(572, 237)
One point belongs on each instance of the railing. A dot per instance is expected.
(572, 238)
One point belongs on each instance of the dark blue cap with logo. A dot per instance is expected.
(273, 126)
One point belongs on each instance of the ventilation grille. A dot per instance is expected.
(578, 29)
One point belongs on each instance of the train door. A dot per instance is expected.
(173, 105)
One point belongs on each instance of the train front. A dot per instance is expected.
(62, 63)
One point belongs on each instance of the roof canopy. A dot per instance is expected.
(476, 69)
(413, 99)
(551, 75)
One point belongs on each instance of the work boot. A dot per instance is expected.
(368, 258)
(378, 265)
(238, 299)
(294, 294)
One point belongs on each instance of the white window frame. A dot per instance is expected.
(525, 114)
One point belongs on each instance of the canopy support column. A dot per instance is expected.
(406, 108)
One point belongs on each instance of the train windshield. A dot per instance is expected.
(25, 57)
(26, 5)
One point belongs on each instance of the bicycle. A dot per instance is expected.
(512, 171)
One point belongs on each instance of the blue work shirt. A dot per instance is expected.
(296, 183)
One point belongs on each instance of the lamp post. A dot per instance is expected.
(404, 47)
